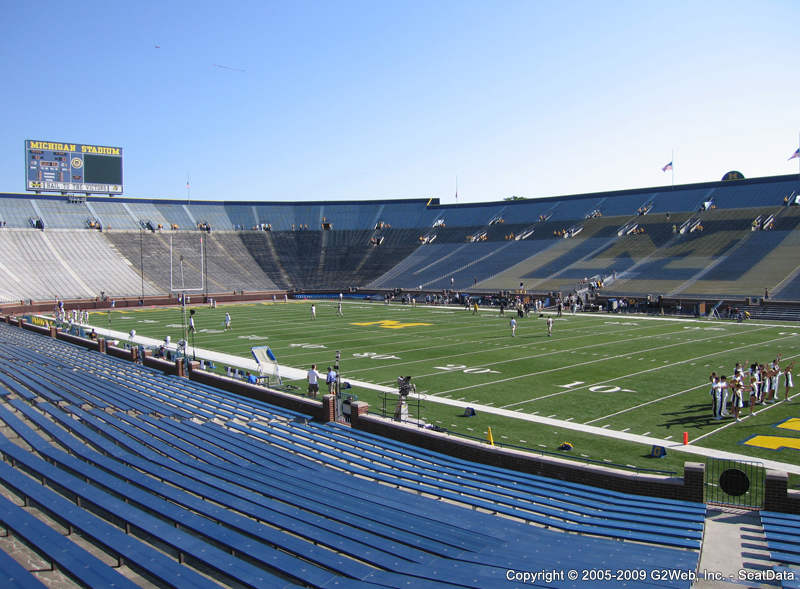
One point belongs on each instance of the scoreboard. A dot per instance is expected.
(72, 167)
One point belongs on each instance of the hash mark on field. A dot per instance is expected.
(553, 415)
(631, 465)
(585, 455)
(645, 433)
(606, 460)
(504, 437)
(524, 441)
(626, 429)
(489, 404)
(535, 413)
(668, 438)
(606, 425)
(460, 398)
(569, 419)
(470, 429)
(542, 446)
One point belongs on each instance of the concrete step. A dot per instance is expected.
(733, 545)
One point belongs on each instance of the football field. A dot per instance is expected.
(625, 374)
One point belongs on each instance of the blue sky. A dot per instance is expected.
(388, 99)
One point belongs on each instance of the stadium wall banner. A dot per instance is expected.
(38, 320)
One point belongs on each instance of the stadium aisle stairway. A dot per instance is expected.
(250, 496)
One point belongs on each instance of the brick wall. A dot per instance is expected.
(277, 398)
(777, 496)
(79, 341)
(689, 488)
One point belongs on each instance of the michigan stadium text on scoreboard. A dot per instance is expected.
(53, 166)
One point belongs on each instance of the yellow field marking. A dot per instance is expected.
(792, 423)
(390, 324)
(774, 442)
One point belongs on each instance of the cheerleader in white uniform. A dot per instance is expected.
(736, 401)
(787, 374)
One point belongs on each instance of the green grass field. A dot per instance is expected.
(618, 372)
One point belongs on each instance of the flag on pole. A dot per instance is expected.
(795, 154)
(187, 184)
(667, 167)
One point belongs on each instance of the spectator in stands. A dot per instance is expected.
(93, 334)
(313, 381)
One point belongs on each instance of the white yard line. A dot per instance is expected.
(744, 417)
(663, 398)
(510, 378)
(640, 405)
